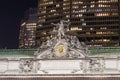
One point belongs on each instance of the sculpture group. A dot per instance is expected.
(61, 45)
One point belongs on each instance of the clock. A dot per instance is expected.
(60, 50)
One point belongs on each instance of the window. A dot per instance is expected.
(102, 14)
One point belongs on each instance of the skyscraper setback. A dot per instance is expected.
(95, 22)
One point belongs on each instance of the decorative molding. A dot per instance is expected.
(26, 66)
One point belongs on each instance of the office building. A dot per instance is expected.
(28, 29)
(95, 22)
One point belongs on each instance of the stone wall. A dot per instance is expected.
(63, 78)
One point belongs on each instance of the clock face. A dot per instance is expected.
(60, 50)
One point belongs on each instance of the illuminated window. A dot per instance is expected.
(78, 11)
(57, 5)
(103, 1)
(88, 33)
(115, 14)
(41, 20)
(91, 28)
(82, 19)
(75, 28)
(92, 6)
(84, 24)
(101, 40)
(64, 8)
(80, 29)
(114, 0)
(108, 32)
(98, 32)
(23, 24)
(103, 28)
(101, 5)
(43, 11)
(77, 2)
(53, 10)
(92, 2)
(106, 40)
(102, 14)
(78, 15)
(84, 6)
(66, 4)
(48, 3)
(45, 0)
(75, 7)
(26, 44)
(56, 14)
(66, 0)
(44, 33)
(67, 16)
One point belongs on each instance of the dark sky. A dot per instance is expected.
(11, 13)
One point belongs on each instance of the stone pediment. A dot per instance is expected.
(62, 46)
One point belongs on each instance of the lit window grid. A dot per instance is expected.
(93, 9)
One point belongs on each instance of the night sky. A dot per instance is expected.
(11, 13)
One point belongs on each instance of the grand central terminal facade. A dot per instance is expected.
(61, 58)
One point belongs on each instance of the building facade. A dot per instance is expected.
(60, 58)
(95, 22)
(28, 29)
